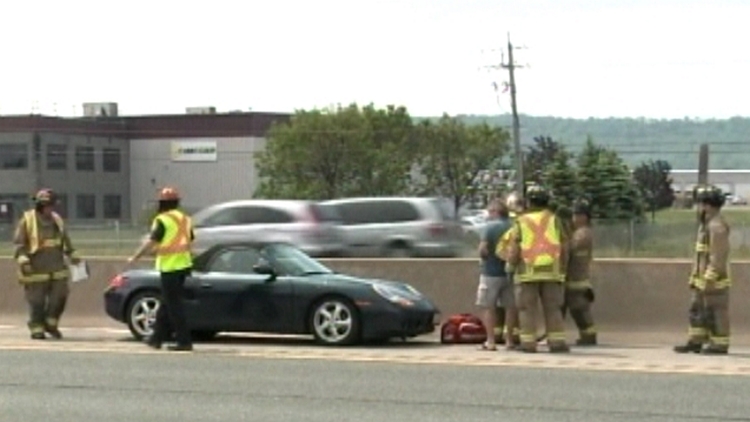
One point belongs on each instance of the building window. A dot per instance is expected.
(85, 158)
(112, 207)
(57, 157)
(14, 156)
(111, 160)
(86, 206)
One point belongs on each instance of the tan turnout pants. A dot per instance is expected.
(46, 302)
(552, 296)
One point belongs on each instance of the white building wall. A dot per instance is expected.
(736, 182)
(232, 175)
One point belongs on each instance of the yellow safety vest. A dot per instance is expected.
(32, 231)
(31, 224)
(173, 252)
(540, 248)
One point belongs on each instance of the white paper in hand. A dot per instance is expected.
(79, 272)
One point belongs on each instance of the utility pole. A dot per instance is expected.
(516, 131)
(511, 66)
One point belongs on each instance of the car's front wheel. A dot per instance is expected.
(141, 314)
(334, 321)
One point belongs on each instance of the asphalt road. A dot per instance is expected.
(66, 386)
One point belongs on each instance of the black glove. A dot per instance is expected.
(590, 295)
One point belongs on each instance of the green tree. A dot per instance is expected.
(538, 157)
(655, 184)
(559, 175)
(323, 154)
(604, 178)
(453, 156)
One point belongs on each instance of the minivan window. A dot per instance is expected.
(260, 215)
(225, 217)
(395, 211)
(377, 212)
(325, 213)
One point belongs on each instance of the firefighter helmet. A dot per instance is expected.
(537, 195)
(45, 197)
(169, 194)
(709, 194)
(582, 206)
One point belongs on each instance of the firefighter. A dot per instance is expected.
(171, 237)
(42, 245)
(579, 293)
(710, 278)
(538, 258)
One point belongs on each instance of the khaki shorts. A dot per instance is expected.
(494, 291)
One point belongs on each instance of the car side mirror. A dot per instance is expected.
(265, 269)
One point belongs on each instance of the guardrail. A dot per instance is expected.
(640, 295)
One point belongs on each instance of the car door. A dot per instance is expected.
(238, 299)
(360, 231)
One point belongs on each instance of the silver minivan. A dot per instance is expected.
(314, 229)
(399, 226)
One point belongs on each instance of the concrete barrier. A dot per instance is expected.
(648, 295)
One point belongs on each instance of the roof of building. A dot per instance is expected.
(149, 127)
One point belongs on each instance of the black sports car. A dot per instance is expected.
(275, 288)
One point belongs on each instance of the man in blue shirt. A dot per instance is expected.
(493, 281)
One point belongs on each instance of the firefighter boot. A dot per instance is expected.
(688, 347)
(51, 328)
(715, 349)
(587, 339)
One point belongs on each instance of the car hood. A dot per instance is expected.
(342, 278)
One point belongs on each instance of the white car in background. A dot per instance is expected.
(473, 224)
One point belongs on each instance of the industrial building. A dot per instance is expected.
(109, 167)
(736, 182)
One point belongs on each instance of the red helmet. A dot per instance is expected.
(168, 194)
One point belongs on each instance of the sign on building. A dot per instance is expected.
(194, 151)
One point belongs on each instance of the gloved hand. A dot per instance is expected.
(590, 295)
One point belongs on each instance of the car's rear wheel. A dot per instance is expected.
(141, 314)
(334, 321)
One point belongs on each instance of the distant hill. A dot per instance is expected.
(637, 140)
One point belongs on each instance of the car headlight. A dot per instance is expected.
(393, 295)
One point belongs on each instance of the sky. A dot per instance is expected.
(581, 58)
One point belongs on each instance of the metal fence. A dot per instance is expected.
(658, 240)
(612, 239)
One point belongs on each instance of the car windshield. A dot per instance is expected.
(293, 261)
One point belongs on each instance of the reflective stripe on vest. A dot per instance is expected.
(32, 232)
(42, 277)
(173, 252)
(540, 248)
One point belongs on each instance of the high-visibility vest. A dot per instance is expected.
(173, 252)
(32, 231)
(31, 225)
(540, 248)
